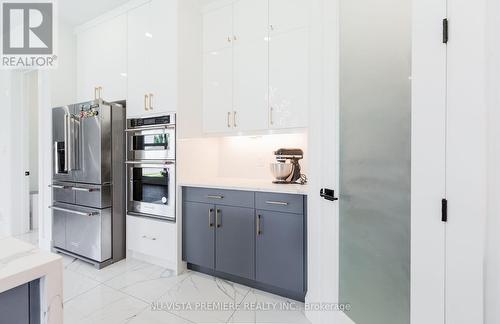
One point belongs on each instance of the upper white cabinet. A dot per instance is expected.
(289, 80)
(287, 15)
(218, 91)
(256, 66)
(101, 61)
(250, 65)
(218, 29)
(132, 55)
(152, 58)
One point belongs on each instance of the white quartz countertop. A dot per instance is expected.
(247, 185)
(21, 263)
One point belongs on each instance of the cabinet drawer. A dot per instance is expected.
(219, 197)
(151, 237)
(280, 202)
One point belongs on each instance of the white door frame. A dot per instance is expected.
(461, 241)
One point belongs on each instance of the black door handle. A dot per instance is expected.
(328, 194)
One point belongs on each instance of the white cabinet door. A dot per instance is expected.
(163, 71)
(289, 79)
(287, 15)
(218, 29)
(88, 64)
(152, 58)
(139, 64)
(218, 91)
(101, 58)
(250, 50)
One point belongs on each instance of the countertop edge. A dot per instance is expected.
(293, 189)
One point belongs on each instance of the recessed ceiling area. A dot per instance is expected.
(76, 12)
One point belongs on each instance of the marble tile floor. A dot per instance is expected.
(136, 292)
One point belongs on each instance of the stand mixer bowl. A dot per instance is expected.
(281, 171)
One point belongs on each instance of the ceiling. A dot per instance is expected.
(76, 12)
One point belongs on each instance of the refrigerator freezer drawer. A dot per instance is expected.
(87, 231)
(62, 192)
(93, 195)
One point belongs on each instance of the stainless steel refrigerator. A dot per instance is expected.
(89, 181)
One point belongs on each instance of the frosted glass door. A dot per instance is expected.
(375, 160)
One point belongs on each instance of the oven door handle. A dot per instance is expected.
(152, 162)
(133, 130)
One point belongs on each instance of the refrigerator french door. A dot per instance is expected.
(89, 181)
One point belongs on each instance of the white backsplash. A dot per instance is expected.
(243, 157)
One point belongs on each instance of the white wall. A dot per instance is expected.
(492, 264)
(56, 87)
(5, 150)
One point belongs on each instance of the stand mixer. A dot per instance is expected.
(287, 168)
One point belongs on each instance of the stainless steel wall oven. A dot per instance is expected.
(151, 149)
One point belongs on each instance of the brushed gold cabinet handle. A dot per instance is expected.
(151, 106)
(234, 119)
(228, 119)
(146, 102)
(100, 93)
(96, 93)
(229, 39)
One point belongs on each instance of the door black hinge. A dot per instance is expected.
(445, 31)
(444, 210)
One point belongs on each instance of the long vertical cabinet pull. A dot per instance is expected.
(218, 222)
(228, 119)
(210, 212)
(96, 93)
(258, 225)
(234, 119)
(271, 121)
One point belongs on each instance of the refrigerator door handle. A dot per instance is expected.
(56, 160)
(67, 149)
(67, 210)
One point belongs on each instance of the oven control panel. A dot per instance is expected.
(152, 121)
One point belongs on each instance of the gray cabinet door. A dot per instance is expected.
(235, 241)
(14, 306)
(199, 234)
(280, 250)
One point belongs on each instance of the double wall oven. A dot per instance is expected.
(151, 167)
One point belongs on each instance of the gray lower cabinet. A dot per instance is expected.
(257, 239)
(235, 241)
(280, 250)
(198, 234)
(21, 305)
